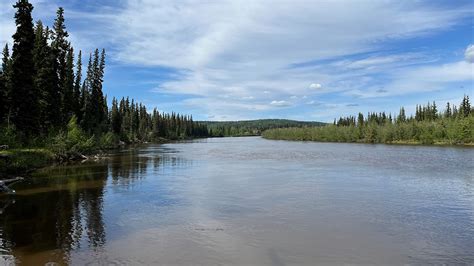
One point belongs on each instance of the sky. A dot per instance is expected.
(310, 60)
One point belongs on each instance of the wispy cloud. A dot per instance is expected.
(469, 53)
(280, 103)
(234, 58)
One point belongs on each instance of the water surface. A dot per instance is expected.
(247, 201)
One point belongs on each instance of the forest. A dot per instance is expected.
(252, 127)
(453, 125)
(53, 109)
(46, 102)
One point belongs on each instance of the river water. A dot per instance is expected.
(247, 201)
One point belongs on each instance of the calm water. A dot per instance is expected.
(247, 201)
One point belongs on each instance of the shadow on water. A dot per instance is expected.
(60, 209)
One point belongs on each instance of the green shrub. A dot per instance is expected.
(74, 141)
(8, 137)
(108, 141)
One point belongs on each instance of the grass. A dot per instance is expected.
(21, 161)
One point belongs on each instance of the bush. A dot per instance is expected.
(19, 161)
(74, 142)
(8, 137)
(108, 141)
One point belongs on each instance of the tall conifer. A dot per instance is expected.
(77, 88)
(61, 48)
(68, 86)
(45, 80)
(5, 85)
(24, 97)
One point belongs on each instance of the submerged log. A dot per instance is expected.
(5, 183)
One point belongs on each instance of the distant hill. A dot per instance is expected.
(252, 127)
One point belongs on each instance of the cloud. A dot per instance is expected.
(469, 53)
(419, 79)
(281, 103)
(315, 86)
(223, 51)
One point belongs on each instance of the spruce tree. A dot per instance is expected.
(61, 48)
(86, 97)
(465, 107)
(2, 97)
(448, 111)
(24, 97)
(434, 111)
(68, 87)
(77, 88)
(94, 115)
(45, 79)
(5, 85)
(115, 117)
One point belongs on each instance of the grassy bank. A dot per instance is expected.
(22, 161)
(72, 144)
(458, 131)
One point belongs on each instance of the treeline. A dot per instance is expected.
(453, 125)
(133, 123)
(252, 127)
(42, 92)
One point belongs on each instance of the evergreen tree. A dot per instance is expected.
(77, 88)
(61, 47)
(5, 86)
(3, 94)
(68, 87)
(401, 116)
(94, 116)
(448, 112)
(465, 108)
(40, 90)
(115, 117)
(45, 79)
(24, 97)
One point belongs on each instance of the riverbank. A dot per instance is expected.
(404, 143)
(22, 161)
(447, 133)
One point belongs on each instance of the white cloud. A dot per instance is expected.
(315, 86)
(225, 51)
(241, 48)
(281, 103)
(469, 53)
(248, 98)
(420, 79)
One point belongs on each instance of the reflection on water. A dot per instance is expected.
(61, 208)
(247, 201)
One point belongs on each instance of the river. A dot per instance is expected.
(247, 201)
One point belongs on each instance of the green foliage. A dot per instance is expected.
(23, 94)
(427, 127)
(48, 92)
(19, 161)
(108, 141)
(73, 142)
(252, 127)
(8, 137)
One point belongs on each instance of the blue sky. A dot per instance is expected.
(305, 60)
